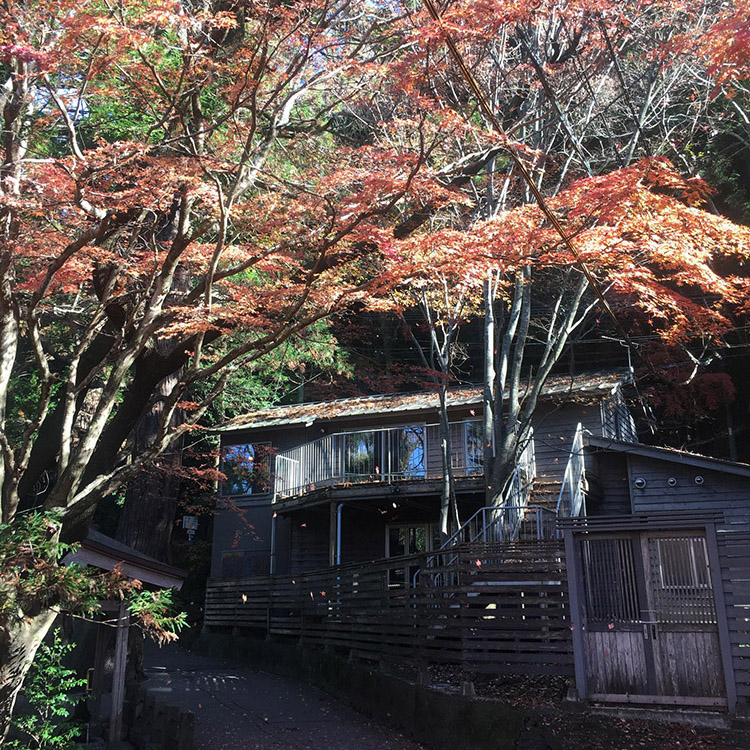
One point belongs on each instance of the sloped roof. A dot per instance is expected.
(590, 385)
(669, 454)
(101, 551)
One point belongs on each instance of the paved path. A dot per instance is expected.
(242, 708)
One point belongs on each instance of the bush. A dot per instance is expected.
(49, 689)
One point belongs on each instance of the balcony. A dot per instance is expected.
(389, 455)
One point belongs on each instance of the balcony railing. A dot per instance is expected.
(378, 455)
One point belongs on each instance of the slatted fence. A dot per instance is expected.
(734, 556)
(499, 607)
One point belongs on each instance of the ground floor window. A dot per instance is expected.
(408, 539)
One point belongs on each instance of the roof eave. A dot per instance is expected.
(669, 454)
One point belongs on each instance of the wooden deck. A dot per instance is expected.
(497, 608)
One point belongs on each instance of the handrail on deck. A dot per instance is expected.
(375, 455)
(514, 499)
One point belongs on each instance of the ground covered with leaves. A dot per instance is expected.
(562, 725)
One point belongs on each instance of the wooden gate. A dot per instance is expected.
(649, 620)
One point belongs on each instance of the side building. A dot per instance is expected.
(659, 574)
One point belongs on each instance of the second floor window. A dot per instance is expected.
(382, 455)
(474, 436)
(246, 468)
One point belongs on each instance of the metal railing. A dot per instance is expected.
(511, 520)
(377, 455)
(572, 499)
(617, 421)
(508, 513)
(509, 523)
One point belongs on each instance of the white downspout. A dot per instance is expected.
(338, 533)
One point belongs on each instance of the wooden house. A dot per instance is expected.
(659, 577)
(326, 528)
(621, 565)
(321, 484)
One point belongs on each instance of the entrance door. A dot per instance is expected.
(650, 629)
(406, 539)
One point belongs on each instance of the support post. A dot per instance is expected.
(575, 594)
(118, 676)
(339, 510)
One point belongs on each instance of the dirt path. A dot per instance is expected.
(240, 708)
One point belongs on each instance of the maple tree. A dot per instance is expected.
(643, 235)
(186, 187)
(578, 92)
(177, 202)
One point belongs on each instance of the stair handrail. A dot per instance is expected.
(544, 525)
(516, 493)
(572, 484)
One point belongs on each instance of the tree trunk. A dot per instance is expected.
(490, 349)
(449, 518)
(148, 515)
(19, 641)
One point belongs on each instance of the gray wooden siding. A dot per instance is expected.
(553, 435)
(734, 559)
(362, 535)
(309, 540)
(719, 492)
(434, 459)
(609, 493)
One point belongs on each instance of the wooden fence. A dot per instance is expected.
(734, 556)
(499, 607)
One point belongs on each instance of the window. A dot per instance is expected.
(362, 456)
(408, 539)
(407, 450)
(384, 455)
(246, 468)
(474, 446)
(682, 562)
(680, 580)
(610, 580)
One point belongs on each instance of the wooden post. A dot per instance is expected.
(118, 676)
(97, 685)
(574, 570)
(272, 561)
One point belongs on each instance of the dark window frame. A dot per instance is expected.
(258, 482)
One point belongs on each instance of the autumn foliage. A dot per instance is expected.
(184, 187)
